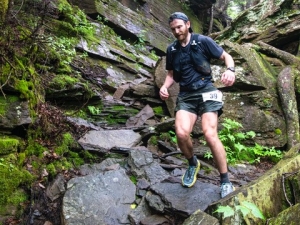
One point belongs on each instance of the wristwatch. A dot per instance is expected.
(231, 68)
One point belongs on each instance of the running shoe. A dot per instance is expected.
(226, 188)
(190, 176)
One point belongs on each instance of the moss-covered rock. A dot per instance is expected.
(8, 145)
(11, 177)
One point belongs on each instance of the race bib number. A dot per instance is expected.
(213, 96)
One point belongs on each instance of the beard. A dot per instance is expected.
(183, 35)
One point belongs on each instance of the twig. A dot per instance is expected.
(283, 185)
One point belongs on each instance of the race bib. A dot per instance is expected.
(213, 96)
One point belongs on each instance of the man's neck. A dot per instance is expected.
(185, 42)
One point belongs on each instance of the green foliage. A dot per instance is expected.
(63, 81)
(133, 179)
(247, 209)
(93, 110)
(158, 110)
(153, 140)
(35, 148)
(141, 43)
(169, 136)
(25, 88)
(232, 139)
(67, 141)
(3, 9)
(208, 155)
(64, 47)
(11, 178)
(153, 55)
(8, 145)
(77, 19)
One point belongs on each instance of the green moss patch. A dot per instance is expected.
(8, 145)
(11, 178)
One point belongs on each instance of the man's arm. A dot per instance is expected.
(163, 92)
(228, 76)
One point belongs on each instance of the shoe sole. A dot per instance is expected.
(195, 177)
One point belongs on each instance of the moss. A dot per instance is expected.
(8, 145)
(75, 159)
(5, 102)
(25, 88)
(5, 72)
(153, 140)
(158, 110)
(51, 169)
(67, 141)
(88, 156)
(63, 81)
(21, 158)
(11, 178)
(278, 131)
(35, 149)
(3, 9)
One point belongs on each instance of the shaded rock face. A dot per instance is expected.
(16, 113)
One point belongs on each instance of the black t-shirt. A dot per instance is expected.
(189, 75)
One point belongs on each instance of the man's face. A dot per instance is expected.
(180, 29)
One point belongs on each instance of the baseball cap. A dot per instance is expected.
(181, 16)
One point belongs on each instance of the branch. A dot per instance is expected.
(286, 57)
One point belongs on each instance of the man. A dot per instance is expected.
(188, 62)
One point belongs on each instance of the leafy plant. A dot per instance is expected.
(173, 136)
(247, 209)
(232, 139)
(169, 136)
(94, 110)
(208, 155)
(140, 44)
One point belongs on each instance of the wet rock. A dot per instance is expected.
(99, 198)
(16, 113)
(57, 188)
(201, 218)
(173, 197)
(104, 140)
(141, 117)
(143, 166)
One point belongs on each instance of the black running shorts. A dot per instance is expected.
(207, 99)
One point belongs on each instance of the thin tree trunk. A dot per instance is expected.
(211, 22)
(286, 89)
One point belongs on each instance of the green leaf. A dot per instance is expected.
(245, 211)
(254, 210)
(226, 210)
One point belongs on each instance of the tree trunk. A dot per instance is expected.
(286, 57)
(286, 89)
(211, 22)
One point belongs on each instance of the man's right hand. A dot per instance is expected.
(163, 92)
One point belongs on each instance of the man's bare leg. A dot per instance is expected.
(209, 125)
(184, 123)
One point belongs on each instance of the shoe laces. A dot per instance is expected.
(190, 171)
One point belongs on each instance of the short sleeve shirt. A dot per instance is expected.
(208, 48)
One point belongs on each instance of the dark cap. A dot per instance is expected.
(181, 16)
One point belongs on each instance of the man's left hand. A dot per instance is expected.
(228, 78)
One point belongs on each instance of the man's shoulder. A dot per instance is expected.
(173, 46)
(201, 37)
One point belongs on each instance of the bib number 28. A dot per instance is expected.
(213, 96)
